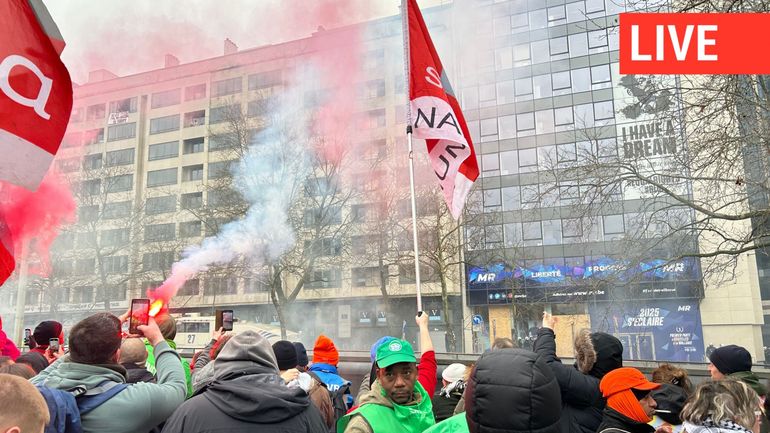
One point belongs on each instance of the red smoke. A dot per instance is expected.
(34, 218)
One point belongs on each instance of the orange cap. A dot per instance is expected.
(625, 378)
(325, 352)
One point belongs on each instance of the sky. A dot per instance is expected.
(127, 37)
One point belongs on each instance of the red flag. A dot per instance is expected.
(436, 116)
(35, 93)
(35, 100)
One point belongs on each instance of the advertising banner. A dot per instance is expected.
(666, 330)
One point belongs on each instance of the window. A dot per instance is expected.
(561, 80)
(511, 198)
(490, 164)
(68, 165)
(120, 183)
(581, 80)
(493, 236)
(327, 216)
(558, 46)
(324, 247)
(159, 205)
(593, 6)
(192, 200)
(258, 107)
(95, 112)
(159, 232)
(221, 285)
(576, 12)
(359, 244)
(523, 86)
(195, 118)
(603, 110)
(93, 136)
(258, 284)
(223, 141)
(64, 241)
(193, 145)
(488, 129)
(114, 237)
(365, 277)
(564, 118)
(87, 214)
(120, 132)
(613, 225)
(578, 45)
(192, 172)
(531, 231)
(544, 121)
(85, 266)
(509, 162)
(263, 80)
(91, 187)
(77, 115)
(123, 105)
(226, 87)
(551, 232)
(521, 55)
(519, 22)
(597, 39)
(157, 261)
(164, 124)
(119, 157)
(324, 278)
(92, 162)
(374, 60)
(572, 229)
(117, 292)
(525, 122)
(190, 229)
(72, 139)
(169, 149)
(492, 199)
(218, 170)
(319, 186)
(566, 152)
(530, 196)
(166, 176)
(86, 240)
(115, 264)
(115, 210)
(541, 85)
(190, 288)
(527, 160)
(373, 119)
(600, 75)
(538, 19)
(371, 89)
(197, 91)
(83, 295)
(506, 127)
(166, 98)
(556, 13)
(224, 113)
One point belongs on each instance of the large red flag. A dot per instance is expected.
(35, 101)
(436, 116)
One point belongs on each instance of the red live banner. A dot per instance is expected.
(692, 43)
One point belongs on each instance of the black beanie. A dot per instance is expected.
(46, 331)
(285, 354)
(669, 398)
(302, 359)
(731, 359)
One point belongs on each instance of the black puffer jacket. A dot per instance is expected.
(582, 402)
(512, 390)
(615, 422)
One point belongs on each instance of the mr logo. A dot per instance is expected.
(684, 308)
(486, 278)
(38, 104)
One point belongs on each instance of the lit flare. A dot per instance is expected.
(155, 307)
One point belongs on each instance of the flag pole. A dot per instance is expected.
(405, 25)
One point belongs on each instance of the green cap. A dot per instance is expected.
(393, 352)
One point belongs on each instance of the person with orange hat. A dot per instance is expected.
(629, 403)
(324, 368)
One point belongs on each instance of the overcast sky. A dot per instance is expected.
(126, 37)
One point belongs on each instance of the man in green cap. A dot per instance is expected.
(396, 403)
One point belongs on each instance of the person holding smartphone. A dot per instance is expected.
(44, 333)
(92, 362)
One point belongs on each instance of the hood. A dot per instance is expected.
(512, 390)
(597, 353)
(246, 351)
(751, 380)
(672, 398)
(256, 397)
(71, 374)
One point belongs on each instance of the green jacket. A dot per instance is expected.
(138, 408)
(150, 365)
(751, 380)
(378, 414)
(454, 424)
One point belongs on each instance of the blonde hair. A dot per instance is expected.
(667, 373)
(23, 405)
(722, 400)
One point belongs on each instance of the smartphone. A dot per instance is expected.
(27, 336)
(224, 320)
(140, 314)
(53, 344)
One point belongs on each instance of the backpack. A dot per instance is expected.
(66, 407)
(320, 397)
(339, 399)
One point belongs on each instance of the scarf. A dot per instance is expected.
(626, 403)
(457, 386)
(708, 425)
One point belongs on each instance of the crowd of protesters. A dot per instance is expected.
(108, 381)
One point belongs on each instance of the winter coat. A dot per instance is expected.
(138, 408)
(355, 422)
(247, 395)
(582, 402)
(455, 424)
(512, 390)
(203, 372)
(7, 346)
(615, 422)
(136, 374)
(150, 365)
(328, 374)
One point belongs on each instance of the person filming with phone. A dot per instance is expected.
(92, 366)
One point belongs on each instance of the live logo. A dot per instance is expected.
(694, 43)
